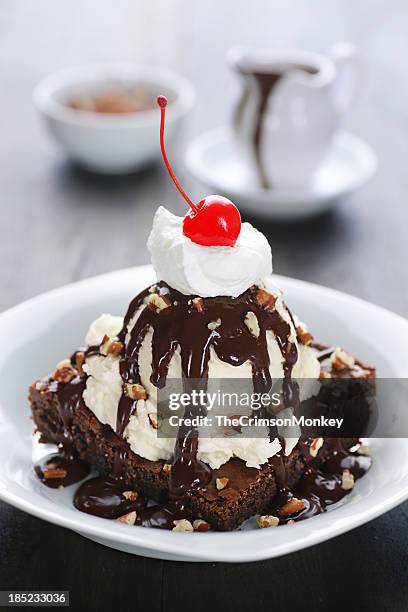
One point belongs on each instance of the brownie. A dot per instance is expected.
(249, 491)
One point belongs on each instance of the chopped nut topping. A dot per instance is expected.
(51, 472)
(267, 521)
(79, 362)
(131, 495)
(341, 360)
(221, 483)
(324, 374)
(364, 450)
(167, 468)
(135, 391)
(128, 519)
(214, 324)
(252, 324)
(153, 421)
(64, 372)
(292, 506)
(266, 299)
(158, 302)
(183, 525)
(304, 336)
(198, 304)
(200, 525)
(65, 363)
(315, 445)
(347, 480)
(110, 347)
(291, 522)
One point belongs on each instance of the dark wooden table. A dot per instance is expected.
(59, 224)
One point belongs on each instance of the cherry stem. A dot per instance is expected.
(162, 102)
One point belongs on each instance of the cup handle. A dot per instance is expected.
(346, 57)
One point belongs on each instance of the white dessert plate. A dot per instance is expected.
(213, 160)
(38, 333)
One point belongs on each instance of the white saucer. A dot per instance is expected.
(213, 159)
(40, 332)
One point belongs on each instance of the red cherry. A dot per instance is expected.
(215, 220)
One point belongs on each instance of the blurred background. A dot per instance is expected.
(59, 223)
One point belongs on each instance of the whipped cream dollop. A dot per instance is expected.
(207, 271)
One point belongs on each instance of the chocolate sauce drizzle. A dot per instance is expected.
(103, 496)
(66, 462)
(60, 470)
(319, 487)
(187, 326)
(184, 325)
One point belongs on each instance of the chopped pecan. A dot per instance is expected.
(50, 472)
(135, 391)
(291, 507)
(315, 445)
(212, 325)
(130, 495)
(200, 525)
(128, 519)
(267, 520)
(304, 336)
(323, 375)
(221, 483)
(266, 299)
(110, 347)
(340, 360)
(198, 304)
(347, 480)
(64, 372)
(182, 525)
(166, 468)
(158, 302)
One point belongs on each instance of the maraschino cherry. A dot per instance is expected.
(214, 221)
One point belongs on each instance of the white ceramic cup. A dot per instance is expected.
(289, 108)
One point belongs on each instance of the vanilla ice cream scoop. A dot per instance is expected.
(104, 388)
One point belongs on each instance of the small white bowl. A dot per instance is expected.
(111, 143)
